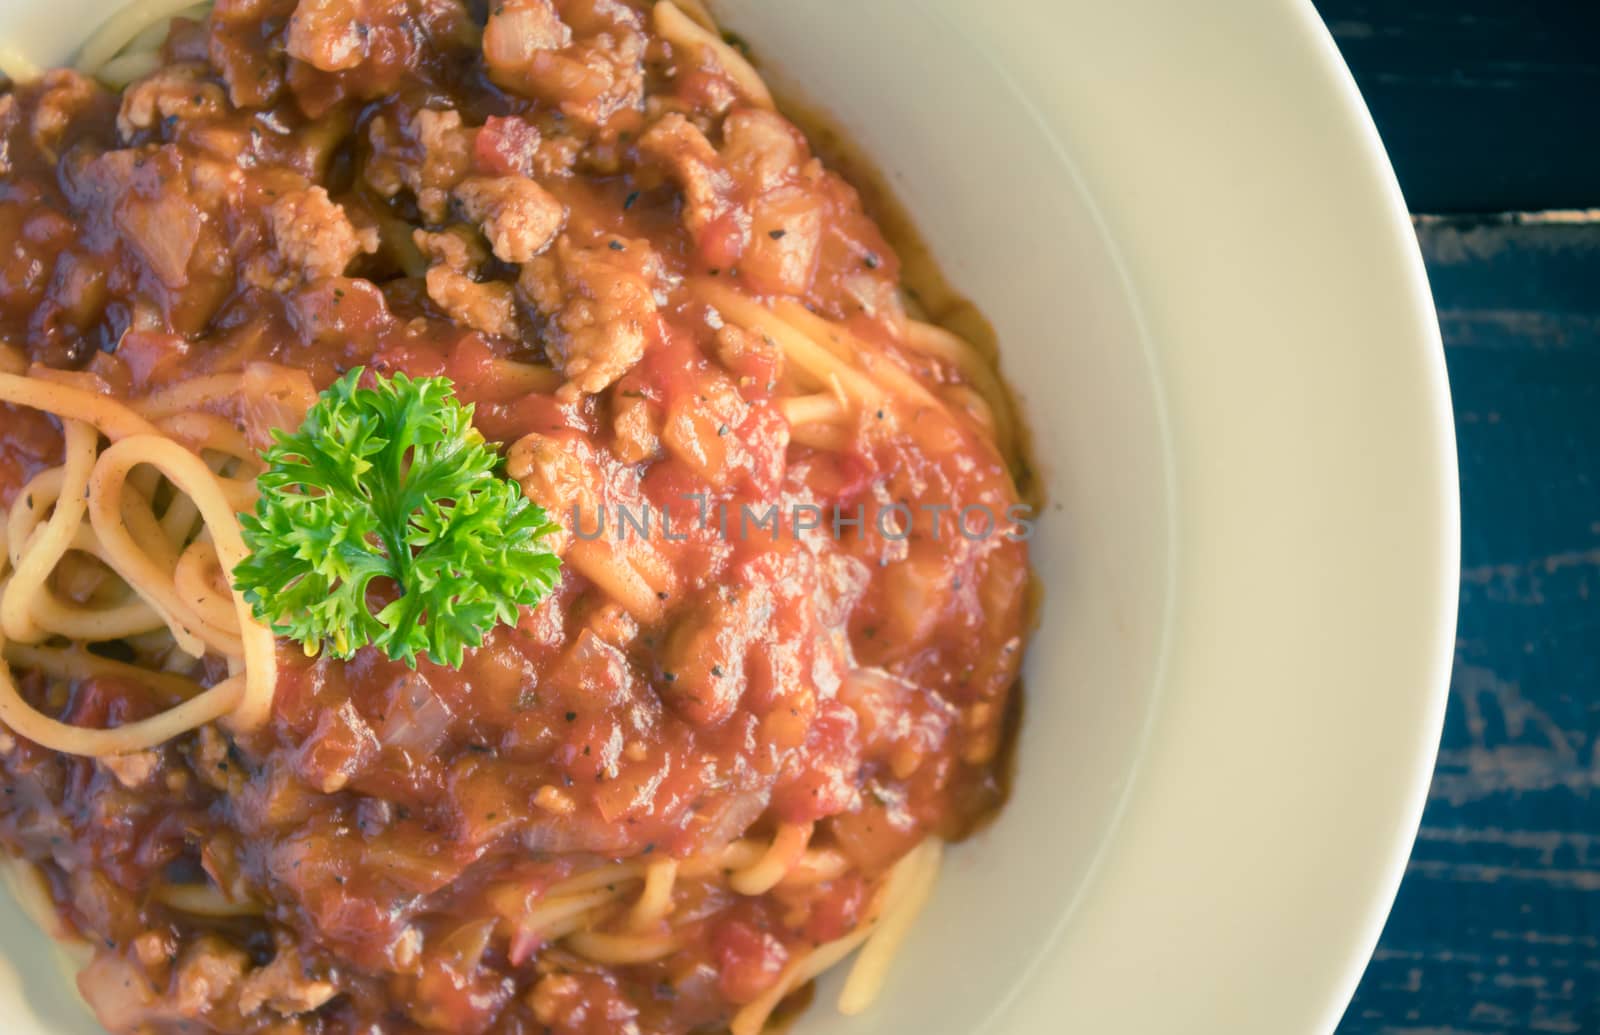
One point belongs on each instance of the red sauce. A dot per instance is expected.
(392, 820)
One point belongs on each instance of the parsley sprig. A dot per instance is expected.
(388, 482)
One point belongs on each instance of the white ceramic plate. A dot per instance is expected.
(1182, 223)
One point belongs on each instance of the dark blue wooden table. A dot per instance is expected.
(1491, 108)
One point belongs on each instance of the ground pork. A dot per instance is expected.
(428, 154)
(134, 769)
(679, 148)
(455, 248)
(489, 307)
(283, 986)
(178, 92)
(66, 95)
(519, 217)
(589, 60)
(314, 238)
(600, 300)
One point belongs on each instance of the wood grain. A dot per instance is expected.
(1484, 105)
(1497, 926)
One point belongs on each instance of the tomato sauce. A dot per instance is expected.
(291, 191)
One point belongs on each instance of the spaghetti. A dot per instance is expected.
(94, 484)
(720, 760)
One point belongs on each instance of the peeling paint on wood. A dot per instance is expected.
(1497, 927)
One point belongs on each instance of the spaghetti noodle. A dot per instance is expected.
(721, 759)
(94, 484)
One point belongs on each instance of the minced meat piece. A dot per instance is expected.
(176, 92)
(519, 217)
(588, 61)
(314, 237)
(683, 150)
(66, 96)
(428, 153)
(284, 986)
(600, 300)
(489, 307)
(134, 769)
(455, 248)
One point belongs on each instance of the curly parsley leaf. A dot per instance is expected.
(388, 493)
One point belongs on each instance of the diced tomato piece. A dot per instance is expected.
(751, 959)
(505, 146)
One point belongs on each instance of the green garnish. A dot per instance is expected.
(391, 483)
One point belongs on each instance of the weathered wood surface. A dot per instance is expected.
(1492, 106)
(1485, 105)
(1497, 926)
